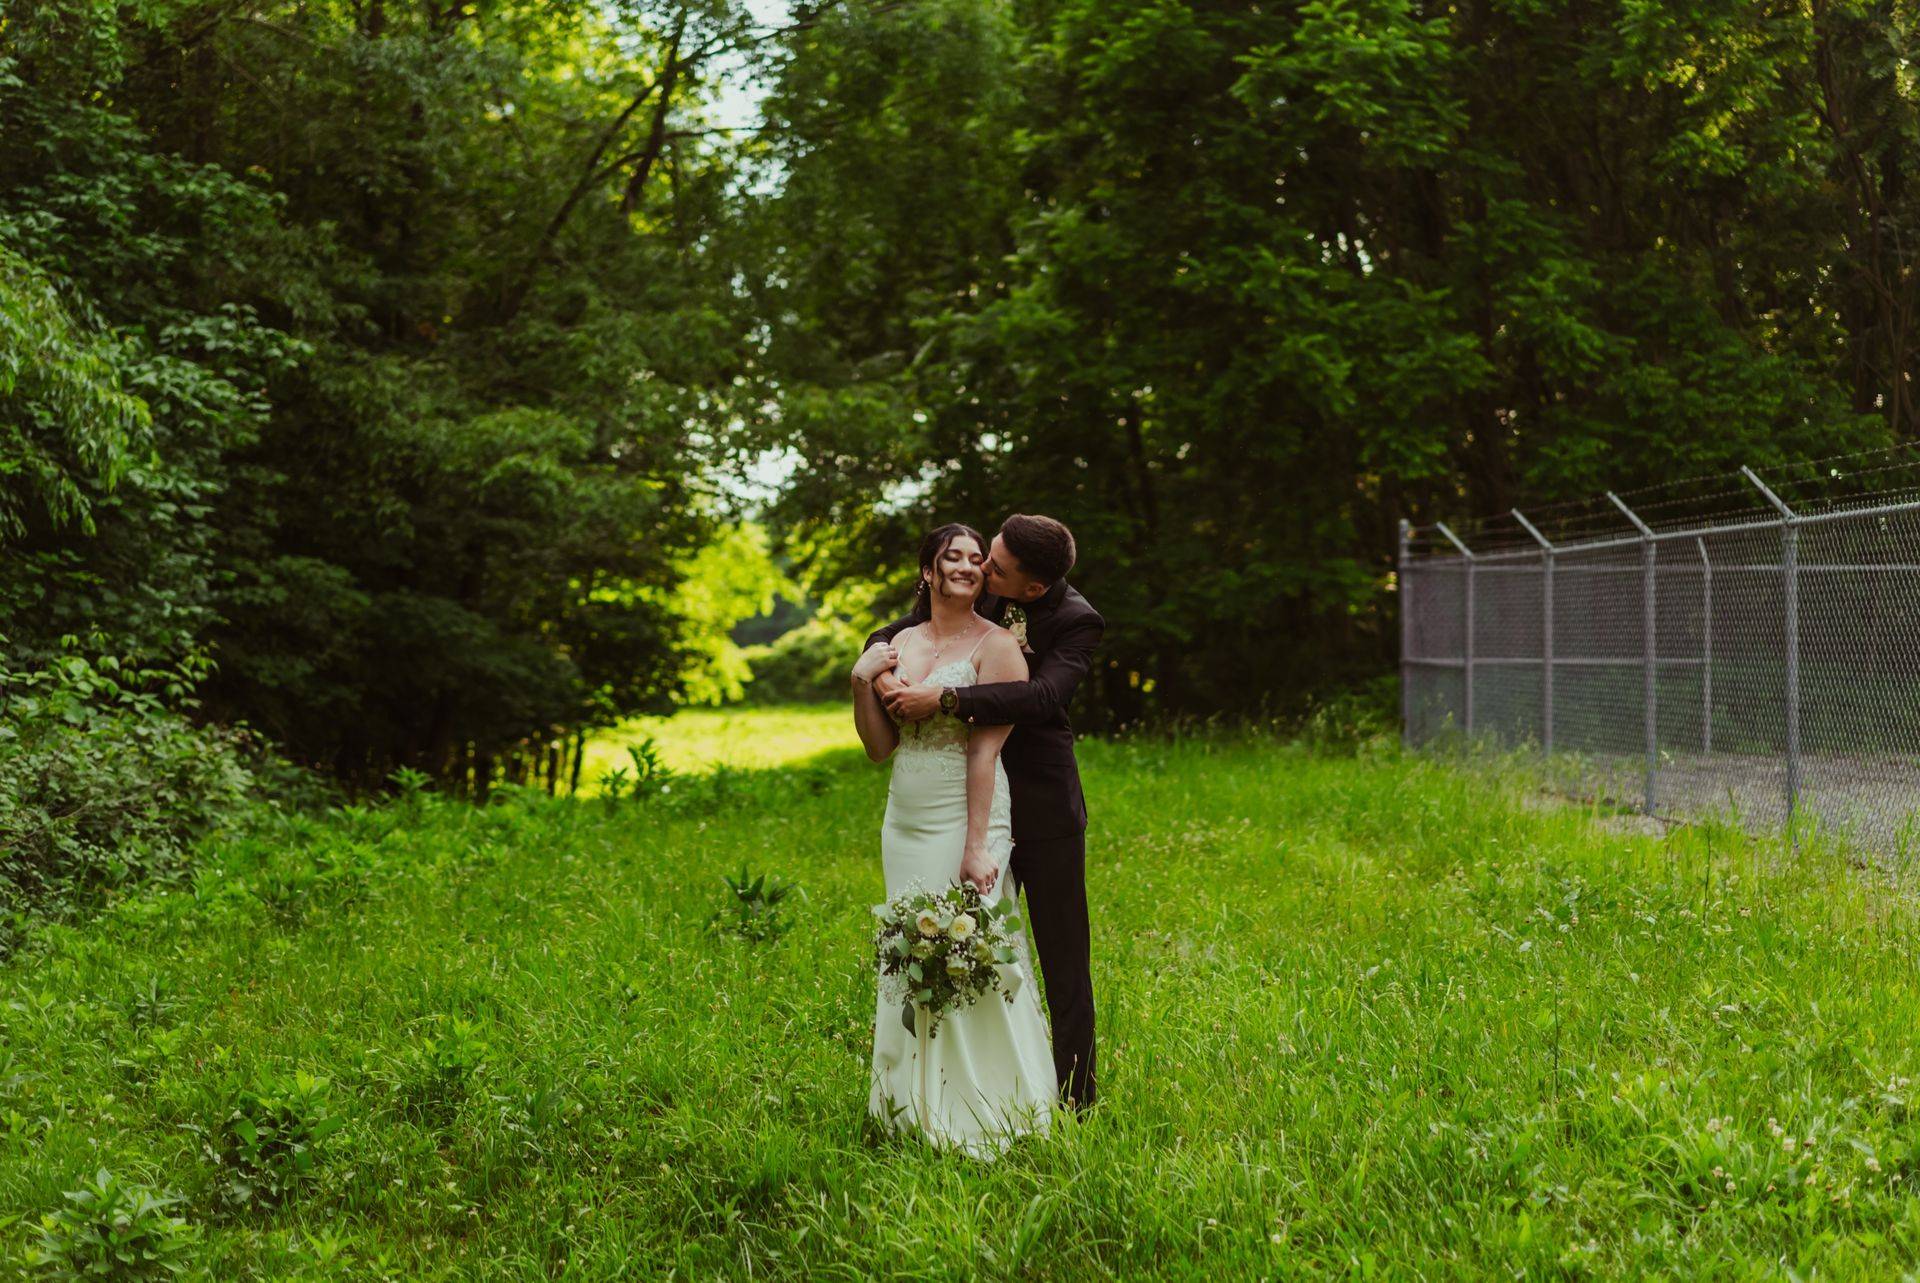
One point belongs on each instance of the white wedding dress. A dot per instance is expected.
(987, 1070)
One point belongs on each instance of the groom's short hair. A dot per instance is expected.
(1043, 545)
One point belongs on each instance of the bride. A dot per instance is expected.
(988, 1073)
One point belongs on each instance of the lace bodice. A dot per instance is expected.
(938, 745)
(940, 733)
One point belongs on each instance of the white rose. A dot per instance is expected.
(928, 922)
(962, 927)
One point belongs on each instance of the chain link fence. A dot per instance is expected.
(1759, 663)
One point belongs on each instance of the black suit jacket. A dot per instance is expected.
(1062, 632)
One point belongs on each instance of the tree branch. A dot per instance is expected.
(657, 134)
(591, 174)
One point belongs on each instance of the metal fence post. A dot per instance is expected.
(1790, 607)
(1706, 648)
(1649, 661)
(1546, 632)
(1467, 665)
(1406, 636)
(1790, 572)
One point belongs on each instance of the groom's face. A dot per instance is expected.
(1005, 578)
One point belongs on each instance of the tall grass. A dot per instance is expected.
(1359, 1017)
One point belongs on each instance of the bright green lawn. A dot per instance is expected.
(1358, 1018)
(697, 739)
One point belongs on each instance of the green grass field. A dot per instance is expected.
(1361, 1017)
(700, 739)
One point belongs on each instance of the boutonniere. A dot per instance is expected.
(1016, 621)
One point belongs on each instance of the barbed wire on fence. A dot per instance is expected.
(1752, 650)
(1808, 486)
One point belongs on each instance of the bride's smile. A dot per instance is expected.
(960, 570)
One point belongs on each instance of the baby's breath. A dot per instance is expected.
(940, 951)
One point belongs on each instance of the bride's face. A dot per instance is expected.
(959, 571)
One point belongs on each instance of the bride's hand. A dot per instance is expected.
(976, 868)
(879, 658)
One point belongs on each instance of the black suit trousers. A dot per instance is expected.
(1053, 874)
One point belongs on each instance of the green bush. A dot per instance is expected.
(439, 1071)
(1347, 720)
(114, 1229)
(152, 1004)
(805, 666)
(266, 1145)
(104, 781)
(753, 910)
(650, 772)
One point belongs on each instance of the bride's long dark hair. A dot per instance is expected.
(931, 549)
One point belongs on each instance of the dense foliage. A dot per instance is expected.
(396, 355)
(1231, 288)
(388, 344)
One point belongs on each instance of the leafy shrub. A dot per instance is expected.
(266, 1145)
(441, 1067)
(149, 1016)
(152, 1003)
(410, 785)
(160, 1047)
(103, 781)
(1353, 719)
(650, 769)
(114, 1229)
(285, 892)
(650, 773)
(806, 666)
(753, 907)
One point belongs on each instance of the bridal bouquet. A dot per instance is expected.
(939, 951)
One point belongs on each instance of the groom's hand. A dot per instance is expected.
(912, 703)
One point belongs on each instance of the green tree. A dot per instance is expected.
(434, 312)
(1266, 279)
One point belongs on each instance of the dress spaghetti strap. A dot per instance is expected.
(976, 648)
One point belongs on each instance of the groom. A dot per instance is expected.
(1027, 591)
